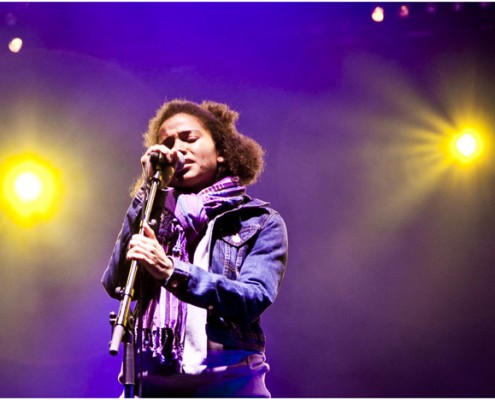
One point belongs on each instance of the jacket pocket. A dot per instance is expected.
(236, 249)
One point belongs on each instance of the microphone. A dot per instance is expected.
(159, 162)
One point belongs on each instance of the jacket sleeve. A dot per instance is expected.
(117, 270)
(242, 300)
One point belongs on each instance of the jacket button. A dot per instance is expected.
(210, 307)
(174, 284)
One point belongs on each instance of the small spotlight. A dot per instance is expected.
(15, 45)
(403, 11)
(457, 7)
(378, 14)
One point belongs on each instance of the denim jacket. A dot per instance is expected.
(248, 257)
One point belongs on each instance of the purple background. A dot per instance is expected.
(389, 287)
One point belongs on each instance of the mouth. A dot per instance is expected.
(185, 167)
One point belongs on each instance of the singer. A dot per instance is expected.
(211, 261)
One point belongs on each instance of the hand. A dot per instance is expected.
(170, 156)
(148, 252)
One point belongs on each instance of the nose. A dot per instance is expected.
(179, 146)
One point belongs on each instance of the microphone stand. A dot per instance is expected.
(123, 324)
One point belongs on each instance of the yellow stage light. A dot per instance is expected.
(466, 146)
(30, 188)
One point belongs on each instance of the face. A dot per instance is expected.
(186, 133)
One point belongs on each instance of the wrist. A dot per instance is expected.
(169, 270)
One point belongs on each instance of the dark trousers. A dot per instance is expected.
(245, 379)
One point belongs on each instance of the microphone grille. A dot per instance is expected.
(180, 162)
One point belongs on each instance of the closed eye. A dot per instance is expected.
(189, 136)
(186, 136)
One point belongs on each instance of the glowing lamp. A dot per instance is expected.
(466, 146)
(378, 14)
(15, 45)
(30, 188)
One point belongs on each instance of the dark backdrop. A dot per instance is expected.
(388, 290)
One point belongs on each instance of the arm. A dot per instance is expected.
(117, 270)
(256, 288)
(118, 267)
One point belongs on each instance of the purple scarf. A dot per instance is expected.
(183, 222)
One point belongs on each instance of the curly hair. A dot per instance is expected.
(243, 157)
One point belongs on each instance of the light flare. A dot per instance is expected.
(466, 146)
(31, 187)
(28, 187)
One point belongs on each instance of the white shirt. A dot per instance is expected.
(195, 345)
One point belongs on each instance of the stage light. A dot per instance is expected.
(466, 146)
(30, 188)
(15, 45)
(403, 11)
(378, 14)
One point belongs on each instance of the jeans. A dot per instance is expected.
(243, 379)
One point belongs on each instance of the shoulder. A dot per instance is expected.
(254, 210)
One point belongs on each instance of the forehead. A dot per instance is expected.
(181, 122)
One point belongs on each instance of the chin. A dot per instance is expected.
(182, 185)
(190, 184)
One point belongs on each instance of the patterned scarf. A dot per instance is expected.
(184, 220)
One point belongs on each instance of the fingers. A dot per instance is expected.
(140, 249)
(145, 159)
(145, 244)
(170, 157)
(147, 251)
(148, 231)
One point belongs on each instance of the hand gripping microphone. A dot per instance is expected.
(163, 173)
(159, 162)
